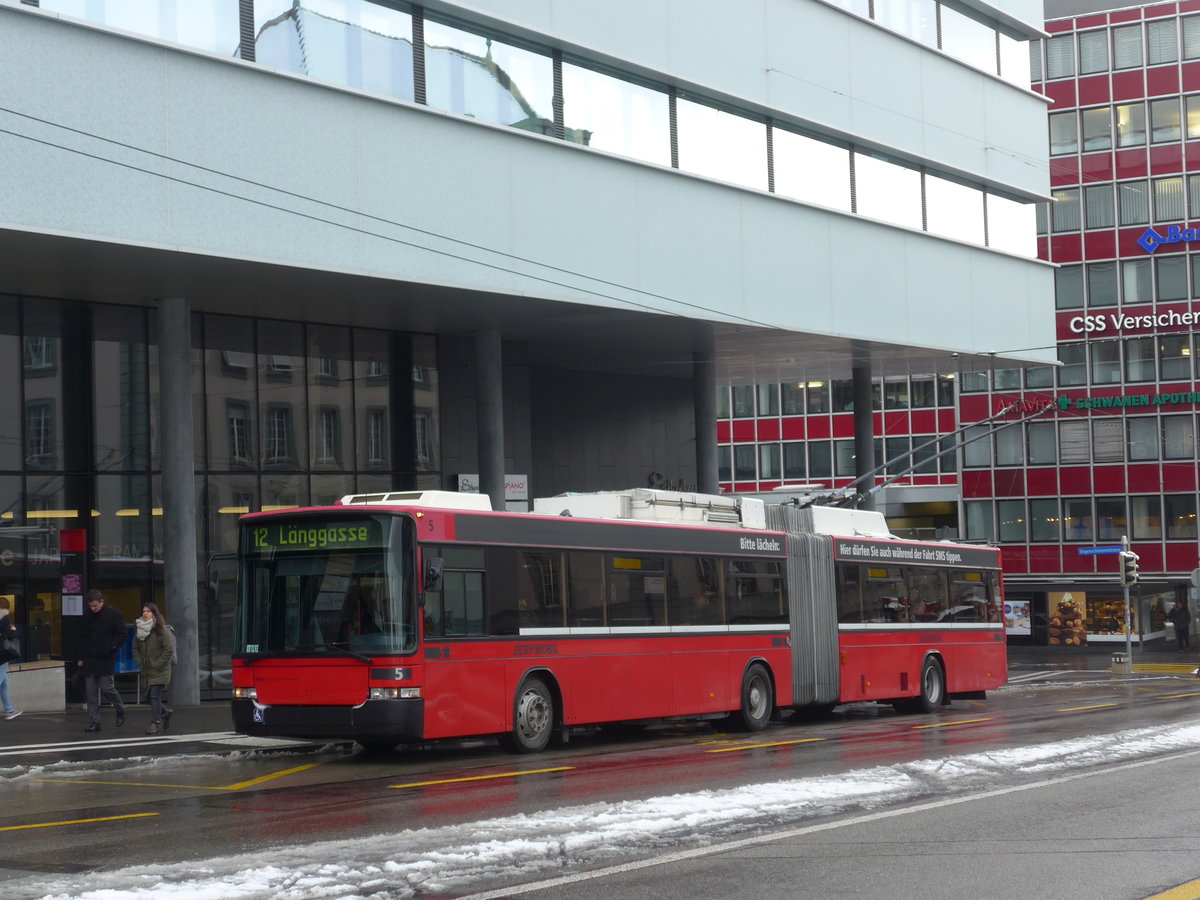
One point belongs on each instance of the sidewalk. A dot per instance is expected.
(212, 717)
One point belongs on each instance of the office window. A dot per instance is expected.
(980, 526)
(1102, 284)
(1111, 523)
(811, 170)
(722, 402)
(1044, 521)
(1179, 437)
(948, 455)
(953, 209)
(922, 393)
(768, 462)
(977, 451)
(1077, 516)
(841, 392)
(1191, 37)
(962, 35)
(843, 459)
(1127, 46)
(1011, 514)
(206, 24)
(795, 467)
(1068, 287)
(1172, 277)
(1039, 377)
(724, 463)
(1180, 516)
(887, 191)
(1010, 447)
(1106, 362)
(237, 417)
(1133, 201)
(1065, 212)
(1099, 206)
(1012, 226)
(1139, 359)
(1129, 120)
(743, 401)
(1168, 199)
(917, 19)
(744, 468)
(1193, 196)
(818, 397)
(1073, 370)
(1175, 357)
(1060, 56)
(1145, 514)
(612, 114)
(1043, 443)
(1165, 124)
(1015, 58)
(1108, 440)
(1035, 61)
(768, 399)
(793, 398)
(1137, 286)
(476, 75)
(1093, 52)
(1073, 446)
(1143, 438)
(721, 145)
(1162, 42)
(1191, 111)
(1064, 133)
(1006, 379)
(895, 394)
(820, 460)
(1096, 125)
(945, 391)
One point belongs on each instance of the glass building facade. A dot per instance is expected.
(285, 415)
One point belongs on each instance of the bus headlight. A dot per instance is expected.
(245, 693)
(409, 693)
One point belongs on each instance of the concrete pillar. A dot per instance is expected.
(704, 387)
(179, 492)
(864, 420)
(489, 415)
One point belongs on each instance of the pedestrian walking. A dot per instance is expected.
(9, 652)
(103, 638)
(153, 647)
(1182, 619)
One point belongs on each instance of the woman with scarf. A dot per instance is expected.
(152, 649)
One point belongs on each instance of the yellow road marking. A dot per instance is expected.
(75, 822)
(481, 777)
(1082, 708)
(948, 724)
(1189, 891)
(1178, 696)
(768, 744)
(191, 787)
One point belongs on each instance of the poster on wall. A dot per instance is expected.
(1016, 617)
(1068, 618)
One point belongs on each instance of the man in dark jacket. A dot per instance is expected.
(103, 637)
(1183, 624)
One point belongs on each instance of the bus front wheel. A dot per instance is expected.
(933, 686)
(758, 700)
(533, 718)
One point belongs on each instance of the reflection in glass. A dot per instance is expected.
(352, 42)
(1165, 124)
(1135, 281)
(330, 397)
(10, 400)
(1102, 284)
(1097, 128)
(481, 77)
(1011, 226)
(1143, 437)
(1130, 122)
(953, 209)
(916, 19)
(721, 145)
(968, 39)
(282, 409)
(205, 24)
(886, 191)
(42, 364)
(120, 389)
(612, 114)
(1044, 523)
(1015, 57)
(372, 400)
(1146, 513)
(811, 170)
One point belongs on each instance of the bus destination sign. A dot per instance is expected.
(315, 534)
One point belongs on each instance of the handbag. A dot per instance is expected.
(10, 648)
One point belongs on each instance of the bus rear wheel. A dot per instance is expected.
(933, 686)
(758, 700)
(533, 718)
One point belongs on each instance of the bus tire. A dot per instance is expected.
(933, 686)
(533, 718)
(758, 700)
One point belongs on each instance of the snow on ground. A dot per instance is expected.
(525, 847)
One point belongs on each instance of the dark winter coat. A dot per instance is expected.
(153, 656)
(1181, 617)
(103, 637)
(6, 631)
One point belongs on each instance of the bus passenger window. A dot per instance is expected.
(585, 595)
(694, 592)
(849, 592)
(756, 594)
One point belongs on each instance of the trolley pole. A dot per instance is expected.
(1128, 629)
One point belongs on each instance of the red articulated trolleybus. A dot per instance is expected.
(401, 617)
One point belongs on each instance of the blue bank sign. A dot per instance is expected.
(1151, 240)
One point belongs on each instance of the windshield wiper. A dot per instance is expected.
(346, 651)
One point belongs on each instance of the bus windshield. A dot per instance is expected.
(328, 586)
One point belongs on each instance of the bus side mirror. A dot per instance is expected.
(433, 574)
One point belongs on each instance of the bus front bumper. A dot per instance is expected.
(375, 720)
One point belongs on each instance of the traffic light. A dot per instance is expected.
(1129, 567)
